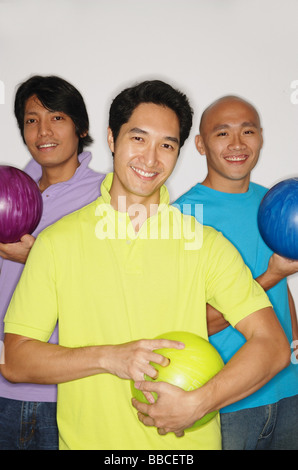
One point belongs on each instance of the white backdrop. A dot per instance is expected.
(207, 48)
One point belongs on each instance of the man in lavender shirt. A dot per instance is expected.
(54, 125)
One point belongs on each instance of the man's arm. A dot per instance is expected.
(278, 269)
(29, 360)
(294, 319)
(215, 320)
(18, 251)
(264, 354)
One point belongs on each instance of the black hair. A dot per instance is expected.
(55, 94)
(154, 91)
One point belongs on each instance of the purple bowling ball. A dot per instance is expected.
(20, 204)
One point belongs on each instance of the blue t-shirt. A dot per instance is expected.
(235, 215)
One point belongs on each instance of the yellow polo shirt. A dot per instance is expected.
(106, 285)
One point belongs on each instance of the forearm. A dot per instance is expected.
(271, 277)
(237, 381)
(268, 280)
(293, 314)
(278, 268)
(254, 364)
(32, 361)
(264, 354)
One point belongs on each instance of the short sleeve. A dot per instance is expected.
(33, 308)
(230, 287)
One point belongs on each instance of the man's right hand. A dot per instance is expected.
(132, 360)
(283, 267)
(18, 251)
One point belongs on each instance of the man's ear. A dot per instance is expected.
(110, 139)
(262, 137)
(200, 144)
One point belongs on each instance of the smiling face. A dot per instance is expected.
(50, 136)
(231, 139)
(145, 154)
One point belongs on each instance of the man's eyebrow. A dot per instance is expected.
(249, 124)
(137, 130)
(35, 113)
(172, 139)
(227, 126)
(219, 127)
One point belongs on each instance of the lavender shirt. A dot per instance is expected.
(58, 200)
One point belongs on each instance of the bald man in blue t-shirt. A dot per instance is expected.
(231, 138)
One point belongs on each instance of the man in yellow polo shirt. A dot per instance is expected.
(123, 270)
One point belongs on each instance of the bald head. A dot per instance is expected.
(227, 104)
(231, 139)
